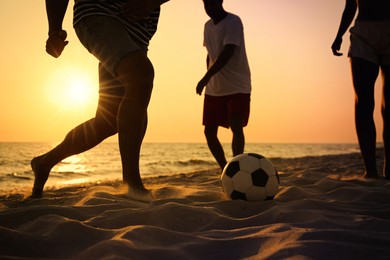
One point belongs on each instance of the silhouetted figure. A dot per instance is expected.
(369, 53)
(118, 36)
(227, 80)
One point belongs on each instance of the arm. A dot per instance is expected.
(346, 20)
(134, 9)
(55, 10)
(219, 63)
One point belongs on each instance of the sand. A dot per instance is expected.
(324, 210)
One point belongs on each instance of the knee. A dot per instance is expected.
(207, 132)
(385, 110)
(364, 104)
(210, 133)
(236, 125)
(104, 128)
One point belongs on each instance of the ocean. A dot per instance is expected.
(102, 163)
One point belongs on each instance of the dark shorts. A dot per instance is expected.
(219, 110)
(109, 42)
(107, 39)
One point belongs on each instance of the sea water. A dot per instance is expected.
(102, 163)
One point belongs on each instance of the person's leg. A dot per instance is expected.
(82, 137)
(364, 74)
(386, 118)
(136, 73)
(211, 133)
(238, 142)
(238, 113)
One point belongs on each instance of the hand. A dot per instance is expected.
(56, 43)
(202, 83)
(336, 46)
(137, 9)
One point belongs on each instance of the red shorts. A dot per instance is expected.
(218, 110)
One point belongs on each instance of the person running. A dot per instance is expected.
(227, 80)
(117, 33)
(369, 53)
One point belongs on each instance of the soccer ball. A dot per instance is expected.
(250, 177)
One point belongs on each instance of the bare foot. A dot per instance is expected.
(41, 175)
(143, 195)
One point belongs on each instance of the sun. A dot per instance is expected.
(72, 88)
(77, 90)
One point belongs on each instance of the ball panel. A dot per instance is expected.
(242, 181)
(249, 163)
(272, 186)
(256, 194)
(231, 168)
(227, 184)
(259, 178)
(268, 167)
(236, 195)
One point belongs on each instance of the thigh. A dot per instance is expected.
(364, 75)
(110, 96)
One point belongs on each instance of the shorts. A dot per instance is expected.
(218, 110)
(106, 38)
(371, 41)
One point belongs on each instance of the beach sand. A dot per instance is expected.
(324, 210)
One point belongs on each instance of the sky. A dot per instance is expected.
(301, 93)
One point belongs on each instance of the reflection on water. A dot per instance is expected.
(74, 164)
(75, 181)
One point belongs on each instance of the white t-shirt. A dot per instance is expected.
(235, 76)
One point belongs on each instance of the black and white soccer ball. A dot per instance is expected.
(251, 177)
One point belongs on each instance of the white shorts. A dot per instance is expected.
(371, 41)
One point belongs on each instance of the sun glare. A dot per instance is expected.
(72, 88)
(77, 90)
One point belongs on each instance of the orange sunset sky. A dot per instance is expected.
(301, 92)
